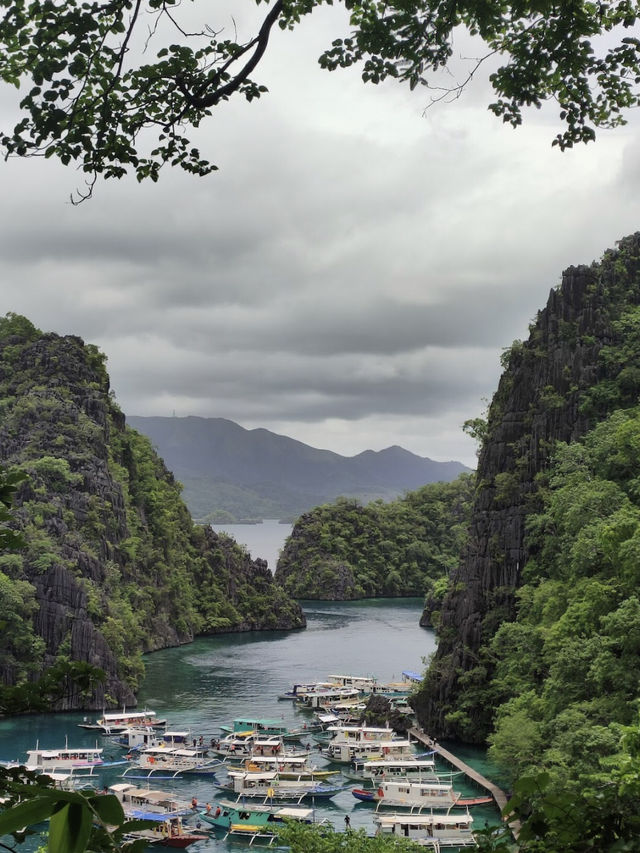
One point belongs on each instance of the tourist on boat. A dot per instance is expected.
(208, 808)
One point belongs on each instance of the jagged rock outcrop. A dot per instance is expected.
(113, 565)
(555, 386)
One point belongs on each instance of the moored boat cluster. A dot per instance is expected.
(263, 772)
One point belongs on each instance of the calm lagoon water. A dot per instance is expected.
(213, 680)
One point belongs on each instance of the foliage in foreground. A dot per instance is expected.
(406, 547)
(77, 821)
(117, 85)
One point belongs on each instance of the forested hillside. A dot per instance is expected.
(539, 642)
(112, 565)
(404, 548)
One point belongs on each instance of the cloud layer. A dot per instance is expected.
(350, 275)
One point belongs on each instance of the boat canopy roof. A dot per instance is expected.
(157, 796)
(65, 752)
(404, 763)
(278, 759)
(128, 715)
(411, 676)
(363, 729)
(120, 787)
(157, 817)
(159, 750)
(418, 819)
(424, 787)
(297, 814)
(349, 679)
(253, 777)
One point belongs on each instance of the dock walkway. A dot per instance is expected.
(499, 796)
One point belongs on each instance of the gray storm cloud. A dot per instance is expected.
(349, 276)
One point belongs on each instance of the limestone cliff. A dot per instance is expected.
(113, 565)
(555, 386)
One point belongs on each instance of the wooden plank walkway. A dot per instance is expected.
(497, 793)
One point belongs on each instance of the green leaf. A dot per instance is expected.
(25, 814)
(109, 809)
(69, 829)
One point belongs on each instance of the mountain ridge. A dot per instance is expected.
(278, 476)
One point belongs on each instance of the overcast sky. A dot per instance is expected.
(350, 275)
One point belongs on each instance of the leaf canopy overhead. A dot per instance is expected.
(118, 85)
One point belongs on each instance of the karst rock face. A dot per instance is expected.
(112, 566)
(541, 399)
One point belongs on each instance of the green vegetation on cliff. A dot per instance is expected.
(112, 564)
(540, 647)
(403, 548)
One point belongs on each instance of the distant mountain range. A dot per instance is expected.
(234, 474)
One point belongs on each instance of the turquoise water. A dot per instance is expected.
(215, 679)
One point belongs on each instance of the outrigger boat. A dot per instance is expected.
(411, 795)
(76, 761)
(136, 739)
(286, 766)
(346, 753)
(328, 698)
(238, 748)
(258, 823)
(168, 831)
(370, 772)
(270, 786)
(114, 723)
(430, 830)
(268, 728)
(299, 690)
(167, 763)
(133, 798)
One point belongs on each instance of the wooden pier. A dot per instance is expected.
(499, 796)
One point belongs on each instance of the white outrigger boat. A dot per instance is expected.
(357, 742)
(118, 721)
(168, 763)
(287, 767)
(327, 698)
(416, 795)
(135, 739)
(271, 787)
(70, 761)
(370, 772)
(234, 748)
(133, 798)
(430, 830)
